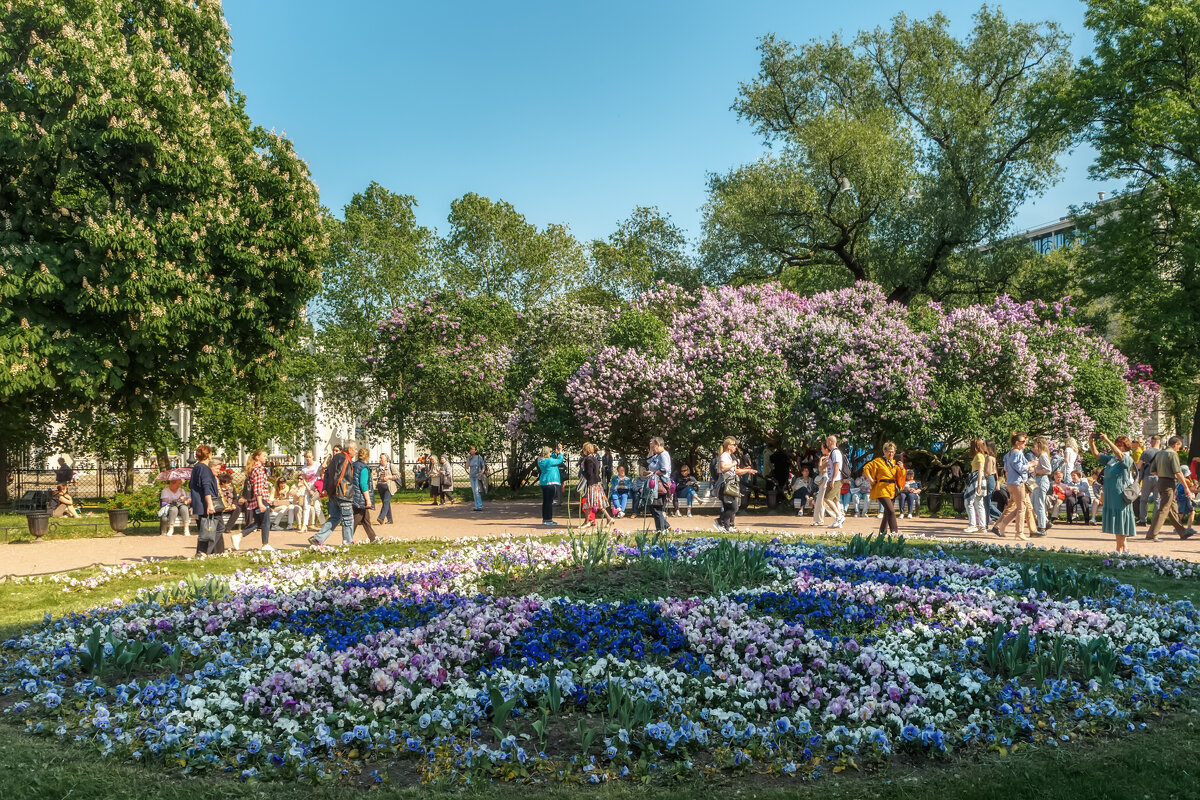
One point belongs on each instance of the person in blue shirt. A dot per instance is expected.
(362, 497)
(618, 492)
(1016, 475)
(550, 479)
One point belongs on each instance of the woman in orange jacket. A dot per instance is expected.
(886, 476)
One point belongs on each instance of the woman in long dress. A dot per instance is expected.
(1117, 515)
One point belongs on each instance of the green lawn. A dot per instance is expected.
(1156, 763)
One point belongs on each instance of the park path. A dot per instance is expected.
(425, 521)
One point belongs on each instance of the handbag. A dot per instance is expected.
(1130, 493)
(209, 529)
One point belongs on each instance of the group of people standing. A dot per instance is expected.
(1034, 488)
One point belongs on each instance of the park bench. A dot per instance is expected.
(34, 501)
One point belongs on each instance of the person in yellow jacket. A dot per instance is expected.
(886, 475)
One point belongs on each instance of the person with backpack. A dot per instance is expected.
(835, 469)
(361, 497)
(337, 487)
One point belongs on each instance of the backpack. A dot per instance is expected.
(339, 488)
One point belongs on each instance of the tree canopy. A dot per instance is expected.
(152, 236)
(891, 153)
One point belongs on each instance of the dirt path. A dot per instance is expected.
(520, 517)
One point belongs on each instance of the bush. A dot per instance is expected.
(143, 504)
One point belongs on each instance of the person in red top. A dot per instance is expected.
(260, 497)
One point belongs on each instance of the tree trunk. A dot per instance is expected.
(403, 445)
(127, 478)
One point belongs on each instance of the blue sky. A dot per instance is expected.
(573, 112)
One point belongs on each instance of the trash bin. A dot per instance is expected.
(39, 523)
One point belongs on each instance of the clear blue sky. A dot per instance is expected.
(573, 112)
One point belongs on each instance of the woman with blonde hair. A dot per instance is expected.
(549, 477)
(1016, 475)
(1041, 482)
(975, 491)
(886, 475)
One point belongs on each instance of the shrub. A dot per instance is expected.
(143, 504)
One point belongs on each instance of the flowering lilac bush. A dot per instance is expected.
(862, 368)
(1027, 366)
(442, 362)
(306, 669)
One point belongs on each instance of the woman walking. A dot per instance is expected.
(258, 500)
(730, 472)
(1041, 474)
(1016, 475)
(310, 497)
(975, 492)
(591, 498)
(658, 464)
(361, 498)
(1117, 515)
(886, 476)
(549, 478)
(990, 466)
(206, 496)
(822, 485)
(385, 483)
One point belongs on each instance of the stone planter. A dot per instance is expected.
(933, 501)
(39, 523)
(959, 501)
(118, 520)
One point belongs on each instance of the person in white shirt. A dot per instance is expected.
(174, 508)
(833, 483)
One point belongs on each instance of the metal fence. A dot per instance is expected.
(97, 482)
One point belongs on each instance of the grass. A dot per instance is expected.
(1155, 763)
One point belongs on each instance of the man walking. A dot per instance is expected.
(1168, 472)
(1145, 473)
(833, 486)
(477, 470)
(338, 480)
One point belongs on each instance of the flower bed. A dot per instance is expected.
(423, 669)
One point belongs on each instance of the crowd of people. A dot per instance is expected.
(1027, 488)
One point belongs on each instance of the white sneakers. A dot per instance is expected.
(267, 547)
(971, 529)
(237, 540)
(837, 522)
(879, 515)
(689, 512)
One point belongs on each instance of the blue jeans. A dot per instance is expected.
(385, 504)
(993, 512)
(1040, 491)
(340, 511)
(619, 500)
(686, 492)
(845, 502)
(861, 500)
(477, 491)
(908, 503)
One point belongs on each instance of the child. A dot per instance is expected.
(174, 502)
(860, 496)
(638, 492)
(686, 488)
(1186, 507)
(910, 497)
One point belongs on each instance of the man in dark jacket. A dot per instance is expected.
(338, 480)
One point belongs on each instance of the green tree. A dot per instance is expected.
(379, 259)
(1141, 94)
(442, 364)
(152, 236)
(492, 249)
(894, 152)
(646, 248)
